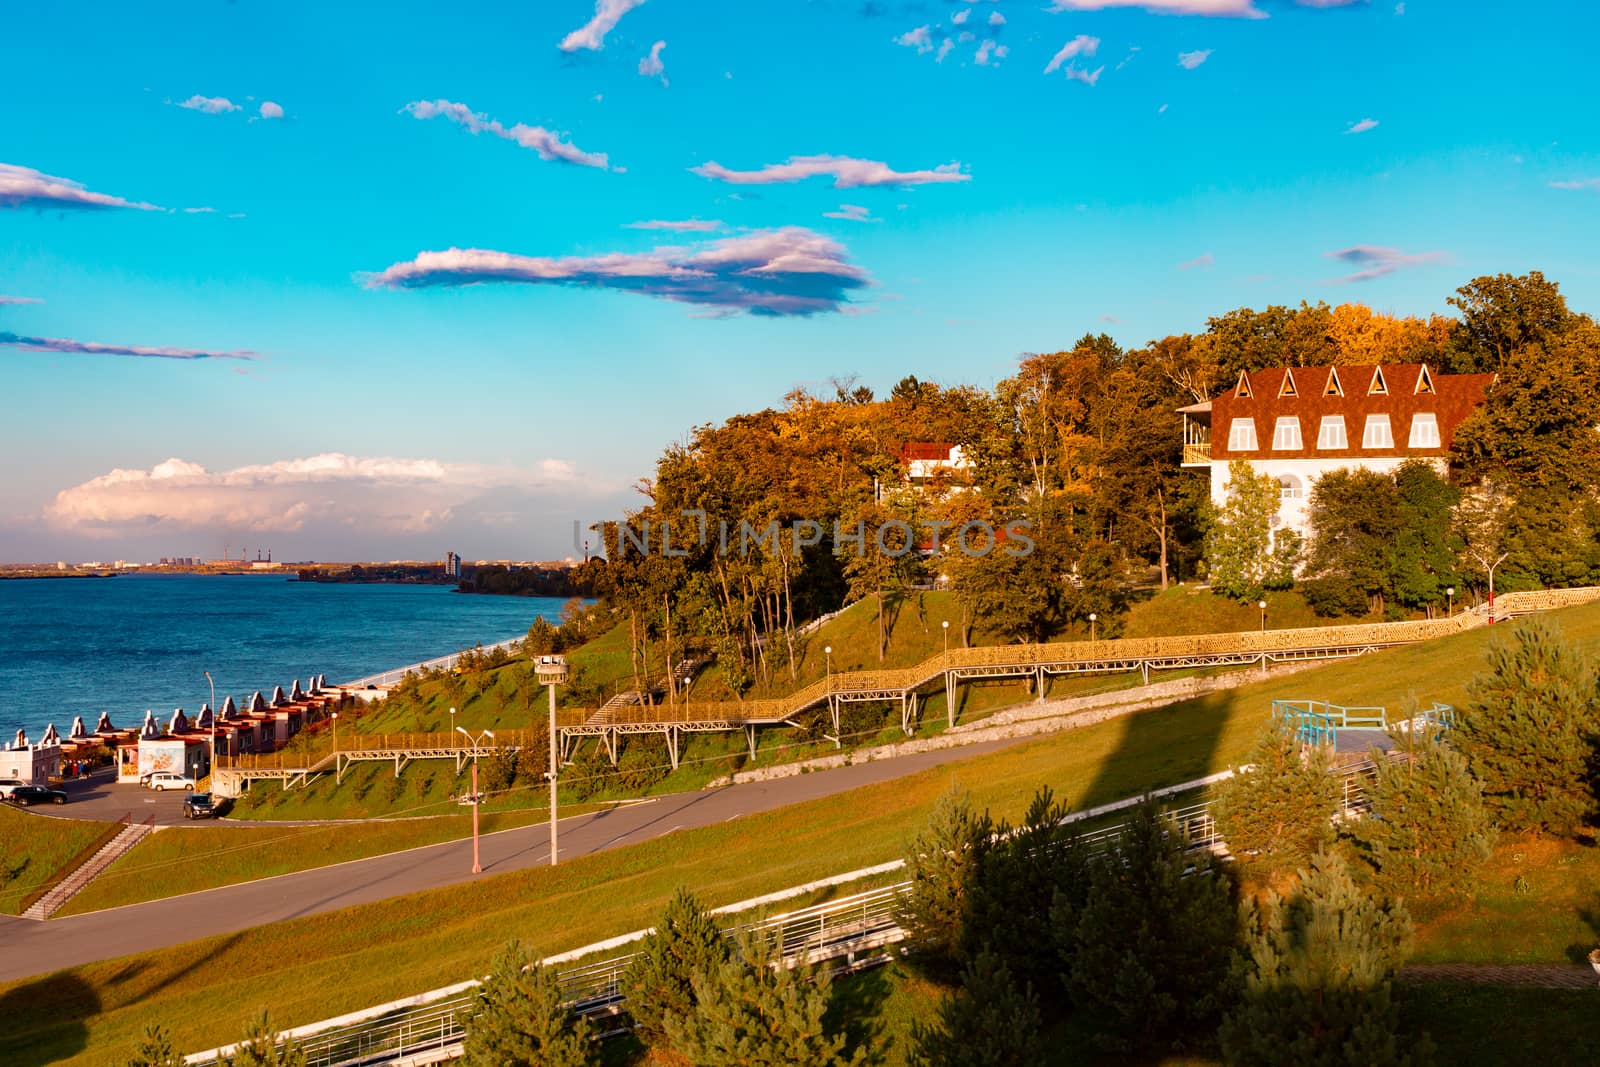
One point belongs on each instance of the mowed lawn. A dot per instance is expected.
(321, 966)
(34, 847)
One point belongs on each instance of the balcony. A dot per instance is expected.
(1196, 454)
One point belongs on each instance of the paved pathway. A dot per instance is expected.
(1540, 975)
(29, 948)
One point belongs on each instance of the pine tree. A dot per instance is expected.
(263, 1046)
(518, 1018)
(1428, 832)
(942, 863)
(1280, 812)
(1528, 730)
(1317, 987)
(989, 1022)
(156, 1049)
(660, 979)
(1152, 950)
(754, 1011)
(1023, 875)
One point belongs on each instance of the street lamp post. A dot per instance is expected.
(1262, 604)
(1093, 617)
(1492, 566)
(827, 651)
(945, 625)
(552, 671)
(336, 733)
(1450, 608)
(212, 762)
(477, 868)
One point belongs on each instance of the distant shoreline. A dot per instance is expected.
(55, 575)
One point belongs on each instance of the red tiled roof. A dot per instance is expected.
(925, 450)
(1453, 398)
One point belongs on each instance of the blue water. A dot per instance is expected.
(79, 646)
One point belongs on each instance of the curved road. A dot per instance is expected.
(29, 948)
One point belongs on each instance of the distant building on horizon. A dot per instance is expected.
(1299, 423)
(452, 565)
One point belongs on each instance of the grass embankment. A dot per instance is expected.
(34, 847)
(92, 1014)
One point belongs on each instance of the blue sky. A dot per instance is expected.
(436, 321)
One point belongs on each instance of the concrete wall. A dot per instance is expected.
(34, 764)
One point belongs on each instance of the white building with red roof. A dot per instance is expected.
(1299, 423)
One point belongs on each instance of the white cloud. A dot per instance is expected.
(269, 110)
(996, 19)
(1378, 260)
(94, 348)
(211, 105)
(920, 38)
(1191, 60)
(788, 271)
(26, 187)
(592, 34)
(394, 493)
(1087, 77)
(846, 172)
(1577, 184)
(1133, 50)
(1081, 45)
(1363, 126)
(960, 17)
(12, 301)
(1244, 9)
(651, 66)
(549, 144)
(945, 48)
(851, 213)
(989, 49)
(1204, 259)
(677, 225)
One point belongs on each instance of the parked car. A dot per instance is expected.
(7, 785)
(164, 780)
(30, 795)
(200, 806)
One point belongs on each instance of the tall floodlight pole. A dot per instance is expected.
(552, 671)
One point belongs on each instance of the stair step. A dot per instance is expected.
(74, 883)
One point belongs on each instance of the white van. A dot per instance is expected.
(161, 781)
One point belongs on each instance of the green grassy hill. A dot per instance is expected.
(34, 847)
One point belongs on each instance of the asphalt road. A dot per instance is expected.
(99, 796)
(29, 948)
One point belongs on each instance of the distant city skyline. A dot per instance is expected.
(372, 283)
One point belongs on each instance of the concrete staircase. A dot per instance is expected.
(69, 886)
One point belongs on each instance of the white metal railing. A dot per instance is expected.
(391, 677)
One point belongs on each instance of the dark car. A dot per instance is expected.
(199, 806)
(37, 794)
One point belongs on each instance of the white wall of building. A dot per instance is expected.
(34, 764)
(1294, 510)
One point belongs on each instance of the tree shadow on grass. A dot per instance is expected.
(856, 1007)
(1164, 746)
(46, 1020)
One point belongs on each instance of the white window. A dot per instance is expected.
(1377, 433)
(1331, 433)
(1286, 434)
(1242, 435)
(1293, 487)
(1424, 430)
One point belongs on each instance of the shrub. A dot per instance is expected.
(518, 1016)
(989, 1022)
(1278, 814)
(156, 1049)
(1332, 597)
(261, 1047)
(660, 978)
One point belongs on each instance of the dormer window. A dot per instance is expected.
(1287, 387)
(1424, 430)
(1242, 390)
(1377, 387)
(1242, 435)
(1331, 435)
(1424, 382)
(1377, 433)
(1334, 387)
(1286, 435)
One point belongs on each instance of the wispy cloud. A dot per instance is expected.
(1378, 260)
(960, 17)
(592, 34)
(920, 38)
(12, 301)
(210, 105)
(1363, 126)
(1239, 9)
(788, 271)
(651, 66)
(549, 144)
(1577, 184)
(388, 492)
(92, 348)
(1081, 45)
(677, 225)
(996, 19)
(1191, 60)
(846, 172)
(26, 187)
(269, 110)
(851, 213)
(1204, 259)
(1087, 77)
(990, 50)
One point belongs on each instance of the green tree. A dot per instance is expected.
(660, 978)
(519, 1018)
(1355, 521)
(1528, 730)
(942, 863)
(988, 1022)
(753, 1011)
(1152, 948)
(1500, 314)
(1428, 832)
(263, 1046)
(1317, 985)
(1426, 544)
(1244, 557)
(156, 1049)
(1278, 814)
